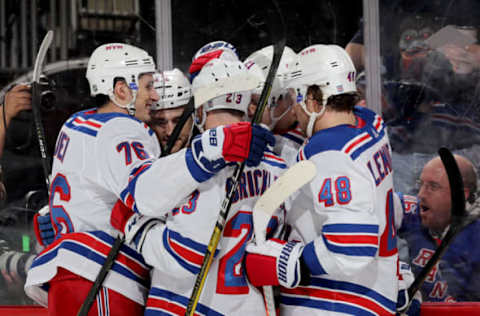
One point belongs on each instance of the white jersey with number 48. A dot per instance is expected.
(345, 218)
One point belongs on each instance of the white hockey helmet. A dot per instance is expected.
(263, 59)
(117, 60)
(227, 50)
(217, 49)
(329, 67)
(259, 64)
(257, 72)
(173, 87)
(223, 84)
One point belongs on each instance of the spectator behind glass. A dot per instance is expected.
(426, 219)
(455, 70)
(17, 99)
(13, 263)
(429, 94)
(396, 17)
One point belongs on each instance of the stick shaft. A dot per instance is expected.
(227, 202)
(36, 98)
(92, 293)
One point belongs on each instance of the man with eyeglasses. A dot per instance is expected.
(426, 219)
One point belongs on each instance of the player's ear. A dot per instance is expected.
(316, 106)
(121, 90)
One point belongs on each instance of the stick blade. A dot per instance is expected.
(42, 51)
(293, 179)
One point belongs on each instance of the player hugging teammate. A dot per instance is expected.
(331, 249)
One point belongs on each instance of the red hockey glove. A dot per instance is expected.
(134, 225)
(237, 142)
(274, 262)
(120, 216)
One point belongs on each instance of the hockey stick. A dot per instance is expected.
(277, 26)
(36, 96)
(107, 265)
(293, 179)
(458, 214)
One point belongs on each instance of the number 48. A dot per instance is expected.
(341, 185)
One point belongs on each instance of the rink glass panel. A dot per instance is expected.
(430, 99)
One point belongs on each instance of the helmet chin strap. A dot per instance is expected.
(274, 119)
(312, 117)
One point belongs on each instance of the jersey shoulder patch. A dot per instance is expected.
(332, 139)
(90, 122)
(349, 139)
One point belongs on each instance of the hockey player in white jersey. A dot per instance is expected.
(222, 92)
(108, 153)
(279, 114)
(341, 257)
(174, 91)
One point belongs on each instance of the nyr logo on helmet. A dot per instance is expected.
(308, 51)
(111, 47)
